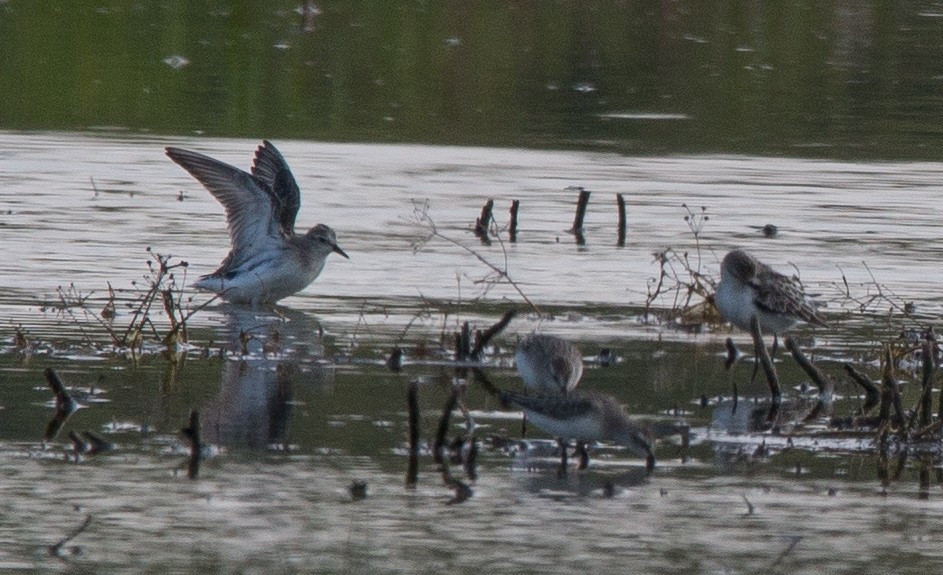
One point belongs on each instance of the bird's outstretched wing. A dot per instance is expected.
(271, 168)
(247, 199)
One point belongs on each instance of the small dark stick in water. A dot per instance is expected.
(192, 433)
(512, 227)
(395, 361)
(620, 201)
(484, 220)
(581, 203)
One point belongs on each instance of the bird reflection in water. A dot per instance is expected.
(269, 356)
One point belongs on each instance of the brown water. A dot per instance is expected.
(292, 429)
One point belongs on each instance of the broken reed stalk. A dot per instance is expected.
(412, 404)
(620, 201)
(485, 337)
(872, 392)
(807, 366)
(581, 203)
(192, 433)
(484, 220)
(512, 226)
(438, 450)
(762, 355)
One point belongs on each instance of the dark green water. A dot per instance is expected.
(807, 78)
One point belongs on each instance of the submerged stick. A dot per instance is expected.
(412, 404)
(762, 355)
(512, 226)
(620, 201)
(581, 204)
(816, 375)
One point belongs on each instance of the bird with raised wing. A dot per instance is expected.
(267, 260)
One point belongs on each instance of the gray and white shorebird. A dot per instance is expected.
(583, 416)
(549, 365)
(748, 288)
(268, 260)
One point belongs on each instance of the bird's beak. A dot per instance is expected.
(337, 250)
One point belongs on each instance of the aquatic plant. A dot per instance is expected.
(128, 316)
(680, 278)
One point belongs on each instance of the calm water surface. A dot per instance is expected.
(311, 407)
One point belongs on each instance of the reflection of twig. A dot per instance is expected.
(792, 545)
(498, 274)
(55, 549)
(65, 405)
(192, 433)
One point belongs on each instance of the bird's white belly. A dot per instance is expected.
(581, 427)
(262, 282)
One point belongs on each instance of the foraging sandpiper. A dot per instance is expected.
(268, 260)
(583, 416)
(748, 288)
(549, 365)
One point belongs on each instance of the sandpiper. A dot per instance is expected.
(583, 416)
(268, 260)
(548, 364)
(748, 288)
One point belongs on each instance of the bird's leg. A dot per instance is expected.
(763, 358)
(563, 456)
(649, 460)
(583, 452)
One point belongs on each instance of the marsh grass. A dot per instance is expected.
(682, 292)
(155, 309)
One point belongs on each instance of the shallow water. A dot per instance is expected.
(302, 414)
